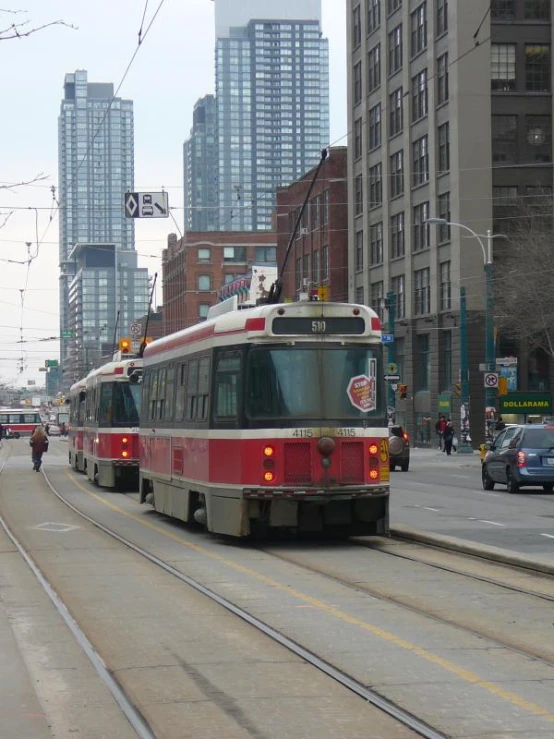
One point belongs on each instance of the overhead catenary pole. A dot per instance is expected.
(143, 343)
(464, 446)
(391, 401)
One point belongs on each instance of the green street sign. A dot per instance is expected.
(51, 363)
(67, 333)
(526, 403)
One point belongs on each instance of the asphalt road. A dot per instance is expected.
(444, 495)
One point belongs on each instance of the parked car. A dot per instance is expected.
(521, 456)
(53, 430)
(399, 448)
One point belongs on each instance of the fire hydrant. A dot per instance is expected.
(482, 452)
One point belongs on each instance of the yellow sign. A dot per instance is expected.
(384, 450)
(385, 474)
(323, 293)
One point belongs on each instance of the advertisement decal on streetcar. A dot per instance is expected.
(362, 390)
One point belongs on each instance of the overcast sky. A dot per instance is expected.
(173, 68)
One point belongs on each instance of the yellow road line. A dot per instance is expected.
(460, 672)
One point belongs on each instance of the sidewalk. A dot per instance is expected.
(434, 456)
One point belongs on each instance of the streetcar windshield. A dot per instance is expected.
(326, 383)
(120, 404)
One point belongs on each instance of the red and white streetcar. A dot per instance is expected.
(19, 421)
(112, 410)
(76, 430)
(269, 417)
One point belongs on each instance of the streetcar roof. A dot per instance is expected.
(252, 324)
(118, 370)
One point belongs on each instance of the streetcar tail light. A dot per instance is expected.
(373, 449)
(521, 459)
(373, 461)
(268, 463)
(124, 454)
(269, 451)
(124, 447)
(373, 474)
(269, 476)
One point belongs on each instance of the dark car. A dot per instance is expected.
(399, 448)
(521, 456)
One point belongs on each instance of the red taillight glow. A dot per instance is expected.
(521, 459)
(269, 476)
(124, 440)
(373, 474)
(406, 437)
(269, 451)
(373, 449)
(125, 454)
(375, 323)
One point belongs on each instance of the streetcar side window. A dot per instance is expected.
(227, 376)
(203, 401)
(181, 390)
(161, 394)
(192, 387)
(31, 418)
(105, 416)
(170, 393)
(15, 418)
(4, 418)
(153, 396)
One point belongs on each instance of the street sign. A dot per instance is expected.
(51, 363)
(392, 368)
(146, 205)
(491, 379)
(135, 329)
(387, 338)
(392, 378)
(66, 333)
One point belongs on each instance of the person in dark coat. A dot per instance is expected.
(448, 437)
(39, 445)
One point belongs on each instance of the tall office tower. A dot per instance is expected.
(450, 117)
(200, 169)
(272, 97)
(96, 167)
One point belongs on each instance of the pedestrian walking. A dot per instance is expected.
(448, 437)
(439, 429)
(39, 445)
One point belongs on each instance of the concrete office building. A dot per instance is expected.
(441, 92)
(272, 97)
(200, 168)
(96, 168)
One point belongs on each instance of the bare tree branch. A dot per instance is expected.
(17, 30)
(6, 217)
(38, 178)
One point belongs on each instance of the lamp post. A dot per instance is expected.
(391, 401)
(490, 362)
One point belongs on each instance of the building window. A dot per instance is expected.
(418, 25)
(376, 243)
(393, 5)
(422, 292)
(315, 267)
(227, 278)
(357, 138)
(537, 67)
(442, 78)
(503, 10)
(374, 68)
(398, 288)
(442, 17)
(397, 174)
(359, 251)
(421, 227)
(375, 185)
(504, 196)
(423, 353)
(446, 359)
(397, 235)
(325, 206)
(395, 49)
(204, 282)
(538, 134)
(203, 309)
(396, 117)
(356, 26)
(377, 298)
(373, 15)
(504, 139)
(537, 10)
(204, 256)
(325, 263)
(443, 207)
(503, 67)
(359, 296)
(419, 95)
(446, 286)
(357, 81)
(358, 195)
(444, 147)
(234, 254)
(265, 254)
(374, 123)
(420, 161)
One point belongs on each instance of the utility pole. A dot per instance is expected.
(490, 393)
(391, 399)
(465, 446)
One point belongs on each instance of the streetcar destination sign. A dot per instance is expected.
(289, 326)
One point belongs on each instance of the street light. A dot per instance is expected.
(490, 362)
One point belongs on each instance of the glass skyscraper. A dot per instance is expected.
(272, 98)
(200, 169)
(96, 168)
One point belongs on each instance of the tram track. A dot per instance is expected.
(367, 694)
(131, 712)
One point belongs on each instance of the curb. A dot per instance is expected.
(493, 554)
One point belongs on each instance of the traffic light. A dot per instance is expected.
(458, 389)
(125, 346)
(402, 391)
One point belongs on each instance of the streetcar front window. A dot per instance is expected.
(119, 404)
(329, 383)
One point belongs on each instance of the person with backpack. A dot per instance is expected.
(39, 445)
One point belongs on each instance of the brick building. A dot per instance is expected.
(319, 253)
(198, 265)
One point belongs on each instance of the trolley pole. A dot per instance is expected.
(465, 445)
(391, 400)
